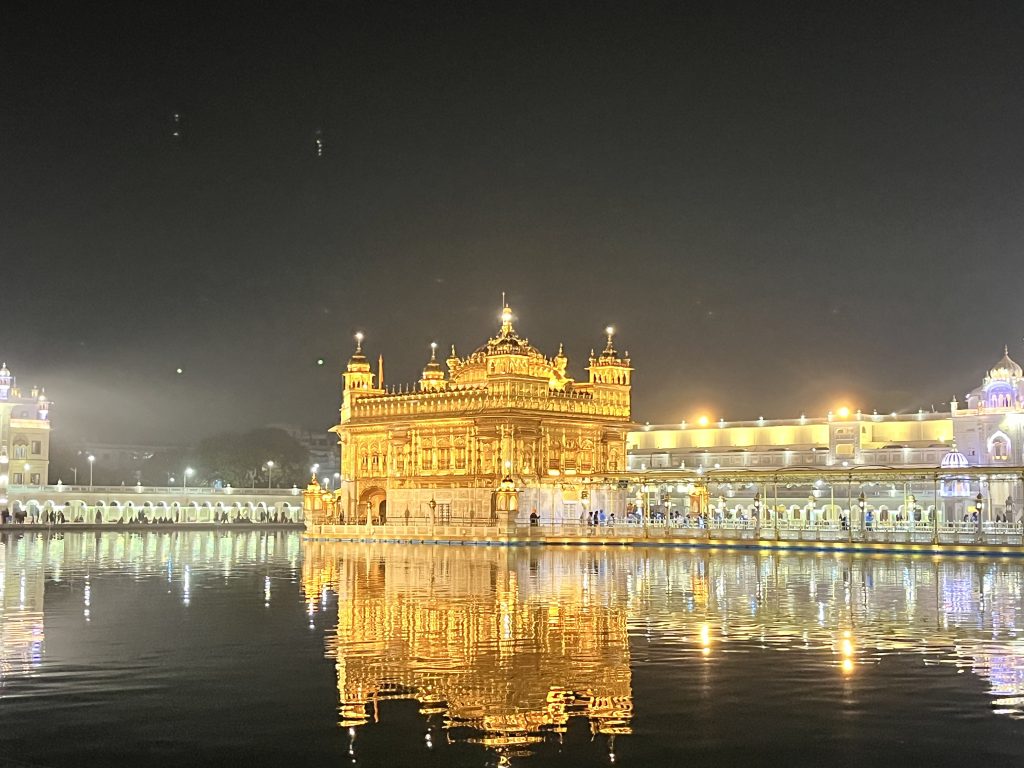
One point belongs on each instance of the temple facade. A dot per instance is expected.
(505, 415)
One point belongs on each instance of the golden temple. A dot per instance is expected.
(437, 450)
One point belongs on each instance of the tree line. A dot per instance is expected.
(235, 458)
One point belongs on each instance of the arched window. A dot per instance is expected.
(999, 396)
(999, 447)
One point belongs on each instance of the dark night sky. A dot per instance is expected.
(779, 209)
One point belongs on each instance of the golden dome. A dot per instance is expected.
(1006, 368)
(515, 355)
(358, 359)
(432, 364)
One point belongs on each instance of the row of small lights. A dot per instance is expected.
(842, 413)
(189, 471)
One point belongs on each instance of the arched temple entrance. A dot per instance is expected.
(372, 502)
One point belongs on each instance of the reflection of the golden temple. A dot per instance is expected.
(515, 642)
(494, 639)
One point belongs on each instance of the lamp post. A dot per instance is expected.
(92, 461)
(270, 473)
(184, 480)
(862, 504)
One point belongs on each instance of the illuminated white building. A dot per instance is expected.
(24, 434)
(987, 427)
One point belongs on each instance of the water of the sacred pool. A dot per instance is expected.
(259, 649)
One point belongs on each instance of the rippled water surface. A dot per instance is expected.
(214, 648)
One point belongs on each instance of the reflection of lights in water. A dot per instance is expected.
(87, 599)
(266, 591)
(846, 650)
(186, 596)
(705, 638)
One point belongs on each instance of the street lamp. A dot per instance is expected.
(270, 473)
(184, 479)
(92, 460)
(979, 505)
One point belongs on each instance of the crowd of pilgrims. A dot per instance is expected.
(36, 516)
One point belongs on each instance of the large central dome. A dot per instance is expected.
(507, 353)
(507, 342)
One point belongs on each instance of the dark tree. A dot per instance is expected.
(241, 458)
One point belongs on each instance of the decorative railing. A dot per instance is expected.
(475, 399)
(1006, 534)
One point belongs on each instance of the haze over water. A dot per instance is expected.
(214, 648)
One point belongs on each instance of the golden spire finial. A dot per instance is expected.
(359, 341)
(433, 351)
(611, 334)
(506, 317)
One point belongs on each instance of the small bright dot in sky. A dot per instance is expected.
(178, 370)
(319, 361)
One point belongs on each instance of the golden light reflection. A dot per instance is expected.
(458, 629)
(847, 651)
(494, 639)
(705, 638)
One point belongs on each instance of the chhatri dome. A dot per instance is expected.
(954, 459)
(1006, 368)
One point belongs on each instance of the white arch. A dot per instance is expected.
(997, 437)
